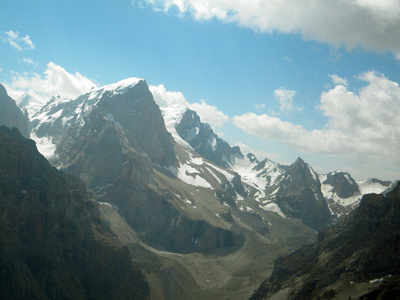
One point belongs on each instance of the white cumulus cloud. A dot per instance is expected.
(259, 153)
(166, 98)
(210, 114)
(17, 42)
(54, 81)
(207, 113)
(285, 98)
(336, 80)
(370, 24)
(363, 127)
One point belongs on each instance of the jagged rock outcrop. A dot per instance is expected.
(343, 193)
(358, 256)
(300, 196)
(205, 142)
(343, 184)
(10, 115)
(53, 241)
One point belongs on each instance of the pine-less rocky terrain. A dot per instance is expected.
(199, 218)
(11, 115)
(358, 258)
(53, 241)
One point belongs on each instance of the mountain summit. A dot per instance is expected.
(11, 115)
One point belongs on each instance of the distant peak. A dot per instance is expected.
(118, 87)
(122, 85)
(126, 83)
(299, 161)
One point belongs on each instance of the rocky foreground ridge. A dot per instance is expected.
(358, 258)
(53, 241)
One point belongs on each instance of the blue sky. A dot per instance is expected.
(284, 78)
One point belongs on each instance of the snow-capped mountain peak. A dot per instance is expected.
(118, 87)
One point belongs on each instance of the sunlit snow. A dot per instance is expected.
(44, 145)
(274, 208)
(172, 115)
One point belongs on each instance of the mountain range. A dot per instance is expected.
(200, 219)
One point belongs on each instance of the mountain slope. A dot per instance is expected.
(53, 241)
(179, 205)
(11, 115)
(300, 196)
(359, 255)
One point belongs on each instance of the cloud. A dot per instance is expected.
(260, 154)
(28, 60)
(166, 98)
(54, 81)
(363, 127)
(208, 113)
(285, 98)
(336, 80)
(354, 23)
(17, 42)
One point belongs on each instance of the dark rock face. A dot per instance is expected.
(161, 225)
(343, 184)
(132, 117)
(363, 246)
(99, 153)
(53, 242)
(205, 142)
(300, 196)
(140, 117)
(10, 115)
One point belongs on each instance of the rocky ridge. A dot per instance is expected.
(10, 115)
(357, 257)
(294, 191)
(54, 243)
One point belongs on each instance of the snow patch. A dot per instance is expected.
(376, 280)
(368, 187)
(188, 201)
(327, 192)
(313, 174)
(111, 118)
(213, 174)
(109, 205)
(115, 88)
(238, 197)
(172, 115)
(214, 144)
(44, 145)
(274, 208)
(189, 175)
